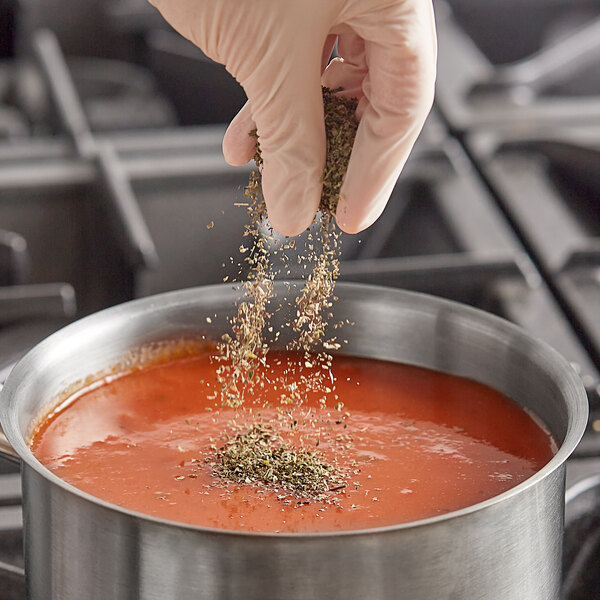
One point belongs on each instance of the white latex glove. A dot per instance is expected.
(277, 50)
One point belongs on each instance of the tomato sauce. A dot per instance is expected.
(424, 443)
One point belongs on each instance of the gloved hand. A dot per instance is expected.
(277, 50)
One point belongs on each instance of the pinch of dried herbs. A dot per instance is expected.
(260, 456)
(340, 130)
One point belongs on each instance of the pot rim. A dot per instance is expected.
(571, 387)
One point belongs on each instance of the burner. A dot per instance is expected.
(553, 76)
(548, 183)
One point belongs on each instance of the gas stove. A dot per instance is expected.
(111, 170)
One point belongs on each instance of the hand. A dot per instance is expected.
(277, 50)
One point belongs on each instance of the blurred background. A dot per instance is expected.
(111, 170)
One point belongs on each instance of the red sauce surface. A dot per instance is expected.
(426, 443)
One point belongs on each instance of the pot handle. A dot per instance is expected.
(6, 450)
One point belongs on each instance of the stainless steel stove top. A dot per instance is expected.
(110, 170)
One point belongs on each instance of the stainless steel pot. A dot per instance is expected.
(507, 548)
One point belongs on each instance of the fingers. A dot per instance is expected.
(289, 120)
(398, 94)
(238, 146)
(286, 105)
(348, 71)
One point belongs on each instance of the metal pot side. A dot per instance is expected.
(506, 548)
